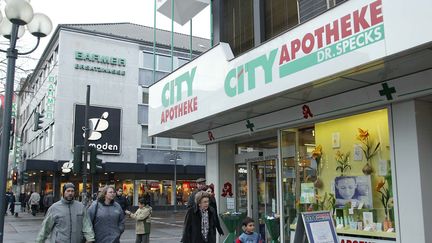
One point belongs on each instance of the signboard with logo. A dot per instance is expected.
(352, 34)
(105, 128)
(318, 227)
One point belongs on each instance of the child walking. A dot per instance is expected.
(143, 221)
(249, 235)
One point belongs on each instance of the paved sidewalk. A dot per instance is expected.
(166, 227)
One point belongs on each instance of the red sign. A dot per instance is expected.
(154, 185)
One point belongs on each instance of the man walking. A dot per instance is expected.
(201, 182)
(34, 202)
(122, 200)
(48, 200)
(67, 220)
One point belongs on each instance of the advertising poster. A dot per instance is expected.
(319, 227)
(307, 194)
(354, 190)
(105, 128)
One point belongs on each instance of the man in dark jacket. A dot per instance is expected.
(122, 200)
(201, 182)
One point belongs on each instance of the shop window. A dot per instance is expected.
(184, 144)
(147, 60)
(143, 114)
(51, 135)
(280, 15)
(238, 28)
(311, 8)
(163, 143)
(46, 138)
(241, 187)
(145, 96)
(342, 166)
(146, 141)
(163, 63)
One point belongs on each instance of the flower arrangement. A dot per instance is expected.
(384, 188)
(317, 155)
(369, 149)
(327, 202)
(342, 161)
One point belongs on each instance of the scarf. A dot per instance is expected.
(204, 224)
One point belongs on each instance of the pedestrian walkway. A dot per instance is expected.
(167, 227)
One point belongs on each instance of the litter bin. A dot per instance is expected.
(17, 208)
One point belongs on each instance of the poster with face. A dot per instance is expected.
(356, 190)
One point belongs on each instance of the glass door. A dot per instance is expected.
(263, 191)
(297, 171)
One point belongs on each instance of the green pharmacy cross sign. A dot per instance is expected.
(250, 125)
(387, 91)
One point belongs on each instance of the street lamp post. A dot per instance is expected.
(174, 157)
(18, 13)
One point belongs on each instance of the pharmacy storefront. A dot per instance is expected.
(334, 115)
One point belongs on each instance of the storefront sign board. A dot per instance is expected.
(352, 34)
(318, 227)
(105, 128)
(346, 239)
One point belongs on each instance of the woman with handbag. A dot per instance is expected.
(143, 221)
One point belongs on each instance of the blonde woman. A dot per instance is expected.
(143, 221)
(107, 217)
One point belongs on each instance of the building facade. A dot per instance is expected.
(118, 61)
(314, 106)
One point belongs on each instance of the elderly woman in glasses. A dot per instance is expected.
(107, 217)
(200, 221)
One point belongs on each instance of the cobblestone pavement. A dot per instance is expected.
(166, 227)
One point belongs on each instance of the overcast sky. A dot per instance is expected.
(105, 11)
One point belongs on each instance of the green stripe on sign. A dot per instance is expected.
(342, 47)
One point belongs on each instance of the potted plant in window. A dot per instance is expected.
(342, 162)
(369, 149)
(317, 155)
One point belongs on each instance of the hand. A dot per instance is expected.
(127, 212)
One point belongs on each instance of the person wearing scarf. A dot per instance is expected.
(200, 221)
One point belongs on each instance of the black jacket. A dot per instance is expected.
(123, 201)
(192, 226)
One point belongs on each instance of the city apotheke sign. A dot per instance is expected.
(109, 63)
(347, 36)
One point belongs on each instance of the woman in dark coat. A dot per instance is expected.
(200, 221)
(210, 190)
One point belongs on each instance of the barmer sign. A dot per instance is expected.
(110, 64)
(352, 34)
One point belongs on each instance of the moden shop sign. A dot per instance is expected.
(105, 128)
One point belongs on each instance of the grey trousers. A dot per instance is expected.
(144, 238)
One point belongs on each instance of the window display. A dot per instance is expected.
(345, 165)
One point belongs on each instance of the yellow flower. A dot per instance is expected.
(380, 185)
(339, 155)
(363, 134)
(317, 152)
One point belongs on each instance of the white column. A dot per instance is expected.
(220, 168)
(135, 192)
(173, 192)
(411, 126)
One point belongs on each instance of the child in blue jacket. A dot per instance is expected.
(249, 235)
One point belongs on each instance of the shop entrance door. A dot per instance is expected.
(263, 192)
